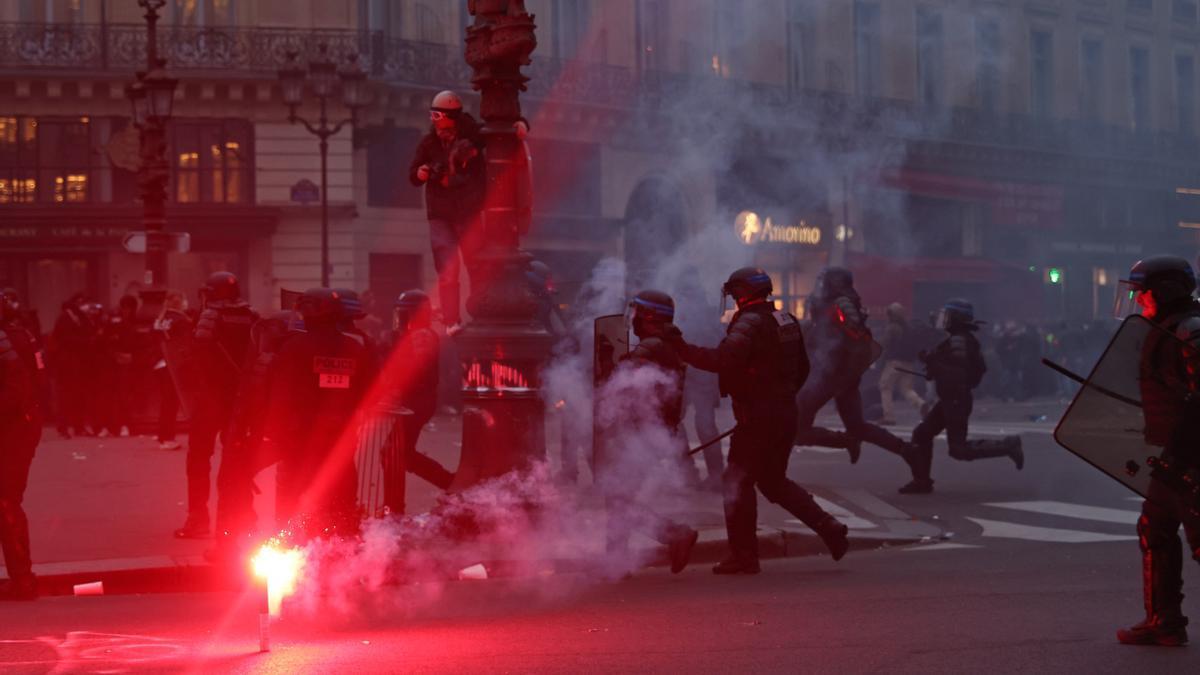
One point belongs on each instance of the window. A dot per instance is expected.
(987, 73)
(49, 160)
(1091, 79)
(929, 57)
(729, 37)
(1139, 88)
(1042, 73)
(203, 12)
(211, 161)
(1183, 11)
(50, 11)
(1185, 94)
(652, 43)
(429, 24)
(388, 152)
(381, 15)
(1143, 7)
(570, 18)
(867, 46)
(798, 21)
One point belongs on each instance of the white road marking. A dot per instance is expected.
(942, 546)
(1003, 530)
(872, 504)
(817, 449)
(1069, 510)
(846, 516)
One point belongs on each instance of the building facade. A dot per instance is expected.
(1021, 153)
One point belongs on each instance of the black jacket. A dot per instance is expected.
(956, 365)
(455, 188)
(761, 362)
(662, 353)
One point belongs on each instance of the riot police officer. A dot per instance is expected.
(246, 449)
(625, 461)
(761, 364)
(21, 366)
(1162, 286)
(956, 367)
(842, 349)
(412, 378)
(221, 341)
(315, 385)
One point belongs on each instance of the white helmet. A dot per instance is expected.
(447, 102)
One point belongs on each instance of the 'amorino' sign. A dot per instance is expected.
(752, 229)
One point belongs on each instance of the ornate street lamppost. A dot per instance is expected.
(151, 97)
(503, 346)
(323, 76)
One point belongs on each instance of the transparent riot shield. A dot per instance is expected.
(186, 371)
(610, 342)
(1105, 425)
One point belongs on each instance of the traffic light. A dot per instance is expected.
(1053, 275)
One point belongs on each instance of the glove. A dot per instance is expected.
(423, 173)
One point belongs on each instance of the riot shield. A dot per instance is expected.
(610, 341)
(1104, 425)
(288, 299)
(186, 371)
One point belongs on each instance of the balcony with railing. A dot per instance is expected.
(258, 53)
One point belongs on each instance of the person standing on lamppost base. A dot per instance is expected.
(449, 163)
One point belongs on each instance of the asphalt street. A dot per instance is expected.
(1032, 572)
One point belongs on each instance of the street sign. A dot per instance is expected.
(173, 242)
(305, 192)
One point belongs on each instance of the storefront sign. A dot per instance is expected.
(752, 229)
(62, 232)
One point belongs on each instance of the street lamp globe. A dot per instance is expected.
(160, 92)
(291, 81)
(323, 73)
(354, 86)
(138, 102)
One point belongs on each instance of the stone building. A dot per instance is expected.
(1022, 153)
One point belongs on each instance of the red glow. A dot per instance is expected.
(495, 375)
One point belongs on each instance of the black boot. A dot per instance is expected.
(1162, 583)
(735, 564)
(680, 548)
(21, 589)
(834, 534)
(920, 461)
(1009, 446)
(195, 527)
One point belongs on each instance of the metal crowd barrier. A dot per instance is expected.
(379, 459)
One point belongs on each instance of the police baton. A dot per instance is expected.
(906, 371)
(707, 443)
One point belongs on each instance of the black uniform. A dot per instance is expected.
(412, 377)
(956, 366)
(315, 385)
(620, 468)
(761, 364)
(221, 342)
(246, 450)
(21, 365)
(1171, 423)
(842, 351)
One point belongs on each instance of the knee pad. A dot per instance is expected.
(1152, 536)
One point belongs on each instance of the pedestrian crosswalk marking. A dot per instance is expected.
(846, 516)
(872, 504)
(1003, 530)
(1069, 510)
(940, 546)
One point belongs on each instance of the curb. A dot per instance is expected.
(196, 575)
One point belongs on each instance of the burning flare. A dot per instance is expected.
(281, 569)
